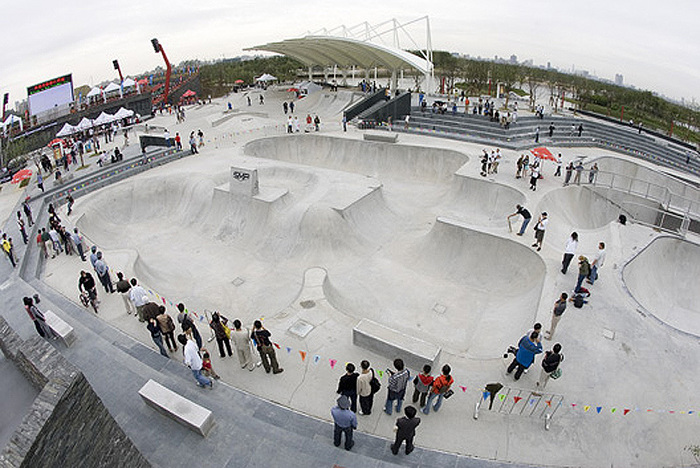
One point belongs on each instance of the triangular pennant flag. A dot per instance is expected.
(316, 359)
(549, 402)
(277, 346)
(625, 411)
(517, 399)
(612, 410)
(649, 410)
(464, 389)
(598, 409)
(150, 292)
(157, 296)
(303, 355)
(573, 405)
(502, 397)
(333, 362)
(532, 401)
(485, 394)
(381, 374)
(163, 300)
(289, 350)
(672, 412)
(691, 412)
(586, 408)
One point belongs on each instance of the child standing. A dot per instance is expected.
(207, 369)
(422, 383)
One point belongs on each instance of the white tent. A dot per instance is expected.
(84, 124)
(128, 83)
(11, 120)
(66, 130)
(123, 113)
(96, 91)
(104, 118)
(266, 77)
(112, 87)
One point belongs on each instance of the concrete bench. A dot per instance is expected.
(182, 410)
(385, 137)
(61, 329)
(393, 344)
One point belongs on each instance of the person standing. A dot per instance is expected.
(579, 170)
(520, 210)
(156, 335)
(528, 347)
(167, 327)
(241, 341)
(593, 172)
(103, 273)
(537, 134)
(364, 388)
(193, 361)
(551, 129)
(557, 312)
(291, 107)
(396, 389)
(584, 269)
(550, 363)
(598, 262)
(534, 175)
(27, 211)
(557, 173)
(347, 385)
(86, 284)
(178, 141)
(569, 251)
(37, 318)
(344, 422)
(569, 170)
(441, 385)
(406, 430)
(261, 336)
(193, 144)
(136, 295)
(217, 324)
(540, 228)
(40, 181)
(22, 230)
(187, 325)
(71, 202)
(7, 248)
(123, 288)
(422, 384)
(78, 242)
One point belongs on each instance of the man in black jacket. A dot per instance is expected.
(406, 430)
(348, 385)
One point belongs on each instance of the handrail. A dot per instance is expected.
(682, 221)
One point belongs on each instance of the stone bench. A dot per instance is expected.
(393, 344)
(61, 329)
(182, 410)
(385, 137)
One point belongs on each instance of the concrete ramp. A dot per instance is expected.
(663, 278)
(481, 202)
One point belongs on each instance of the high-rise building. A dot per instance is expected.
(619, 79)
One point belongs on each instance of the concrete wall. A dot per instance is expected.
(67, 426)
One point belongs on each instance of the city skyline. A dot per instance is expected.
(623, 38)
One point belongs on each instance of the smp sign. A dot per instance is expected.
(244, 181)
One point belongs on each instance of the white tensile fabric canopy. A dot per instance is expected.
(128, 83)
(66, 130)
(112, 87)
(266, 77)
(84, 124)
(104, 118)
(123, 113)
(11, 120)
(96, 91)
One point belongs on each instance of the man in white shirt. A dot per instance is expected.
(598, 262)
(139, 297)
(540, 227)
(193, 361)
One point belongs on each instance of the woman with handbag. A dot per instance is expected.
(441, 389)
(550, 365)
(218, 324)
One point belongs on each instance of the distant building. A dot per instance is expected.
(619, 79)
(514, 59)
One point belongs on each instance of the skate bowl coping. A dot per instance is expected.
(392, 344)
(383, 137)
(179, 408)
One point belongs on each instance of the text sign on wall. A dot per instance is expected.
(244, 181)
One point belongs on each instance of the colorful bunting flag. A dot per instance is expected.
(464, 389)
(316, 359)
(586, 408)
(517, 399)
(277, 346)
(333, 362)
(502, 397)
(624, 413)
(599, 409)
(485, 394)
(303, 355)
(289, 350)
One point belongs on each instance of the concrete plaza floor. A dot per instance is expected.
(409, 236)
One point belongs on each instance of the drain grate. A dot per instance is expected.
(439, 308)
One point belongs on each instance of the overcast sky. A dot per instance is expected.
(655, 45)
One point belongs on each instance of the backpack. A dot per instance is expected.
(374, 384)
(578, 301)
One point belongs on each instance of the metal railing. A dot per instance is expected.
(662, 219)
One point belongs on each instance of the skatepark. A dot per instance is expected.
(406, 240)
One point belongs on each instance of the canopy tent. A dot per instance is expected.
(84, 124)
(11, 120)
(66, 130)
(96, 91)
(266, 77)
(104, 118)
(189, 93)
(128, 83)
(123, 113)
(112, 88)
(143, 81)
(239, 82)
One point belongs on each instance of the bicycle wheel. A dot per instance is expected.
(84, 300)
